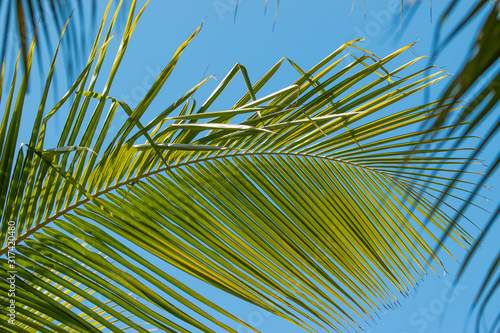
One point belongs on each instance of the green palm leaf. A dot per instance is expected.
(304, 202)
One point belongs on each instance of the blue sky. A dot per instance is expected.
(305, 31)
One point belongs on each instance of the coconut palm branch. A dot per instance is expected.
(306, 202)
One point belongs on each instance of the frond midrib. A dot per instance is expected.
(157, 171)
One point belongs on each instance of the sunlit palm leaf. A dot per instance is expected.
(303, 202)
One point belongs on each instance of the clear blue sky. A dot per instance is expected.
(306, 31)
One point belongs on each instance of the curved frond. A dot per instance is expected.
(306, 202)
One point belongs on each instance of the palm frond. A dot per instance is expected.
(303, 202)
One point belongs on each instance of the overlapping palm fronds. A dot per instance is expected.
(303, 202)
(476, 87)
